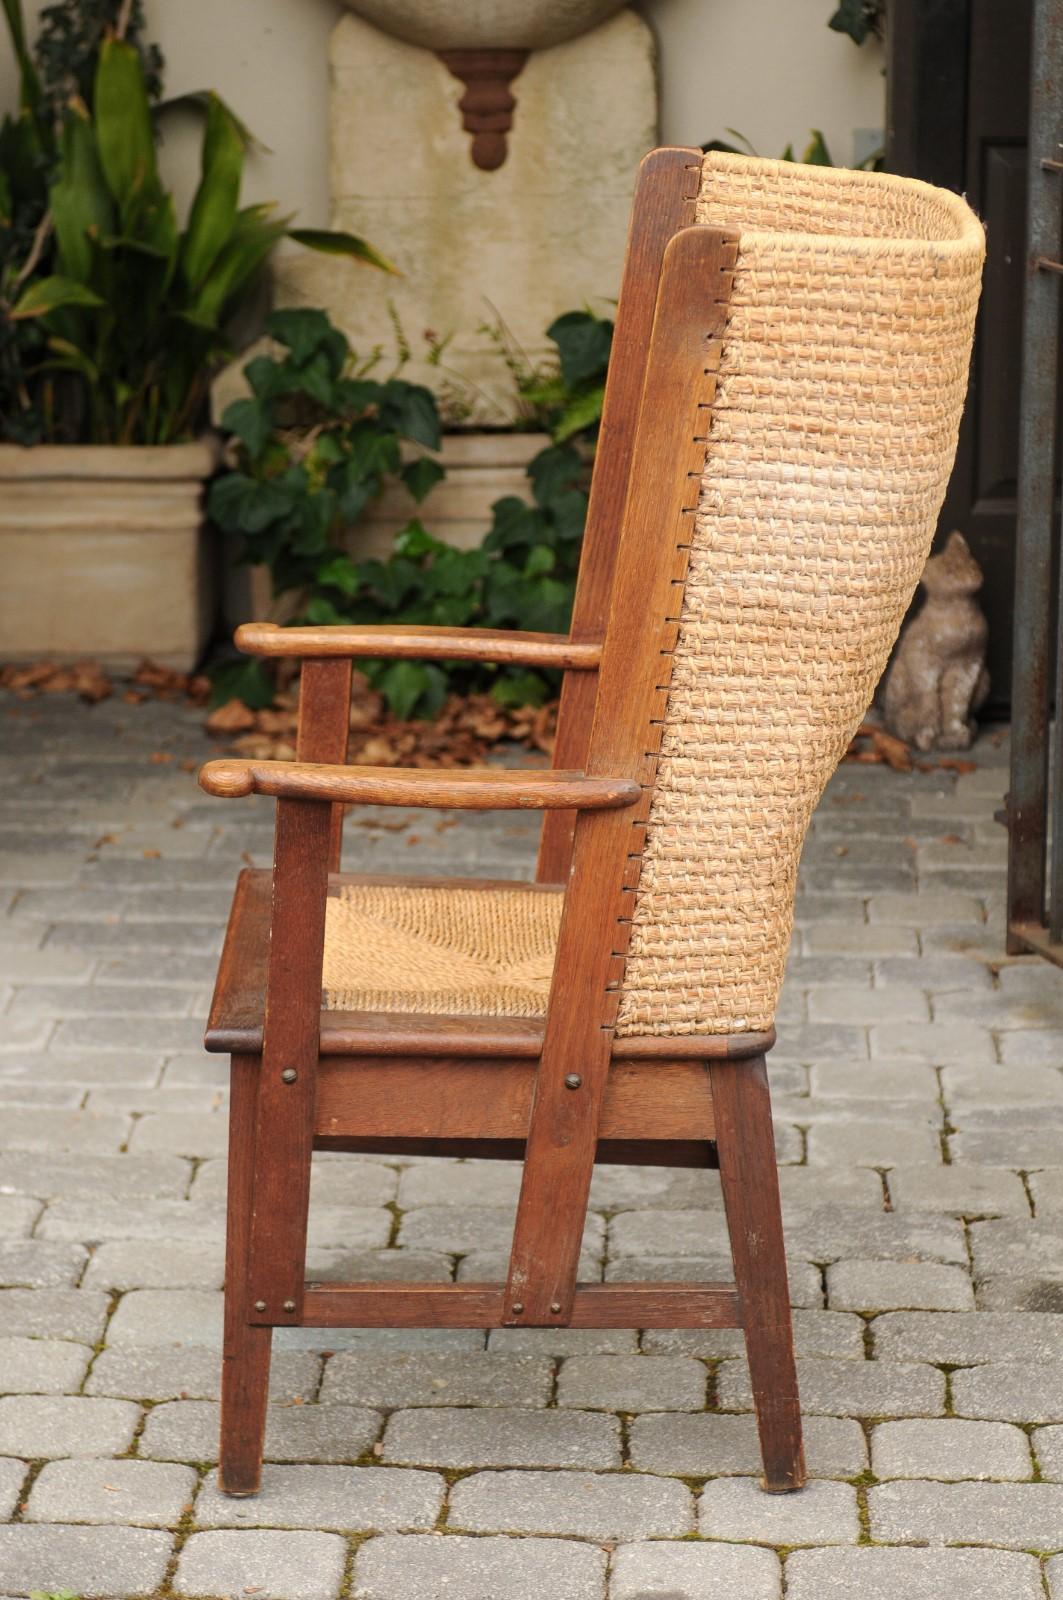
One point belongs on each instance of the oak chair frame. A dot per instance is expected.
(564, 1092)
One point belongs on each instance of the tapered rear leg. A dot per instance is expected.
(246, 1350)
(745, 1145)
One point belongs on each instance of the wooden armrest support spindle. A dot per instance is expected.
(503, 645)
(468, 789)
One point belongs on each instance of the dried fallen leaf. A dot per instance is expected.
(30, 676)
(873, 744)
(152, 855)
(91, 683)
(466, 728)
(232, 717)
(277, 721)
(894, 752)
(256, 745)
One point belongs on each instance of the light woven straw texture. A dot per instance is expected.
(445, 951)
(842, 378)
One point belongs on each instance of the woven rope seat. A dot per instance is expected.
(842, 374)
(442, 951)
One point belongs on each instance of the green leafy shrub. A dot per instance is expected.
(126, 309)
(57, 67)
(316, 441)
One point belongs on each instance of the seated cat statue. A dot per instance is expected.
(938, 677)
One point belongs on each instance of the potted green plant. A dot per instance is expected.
(115, 321)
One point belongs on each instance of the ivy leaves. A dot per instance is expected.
(317, 443)
(571, 399)
(860, 19)
(317, 440)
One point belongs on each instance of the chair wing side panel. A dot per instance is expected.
(843, 371)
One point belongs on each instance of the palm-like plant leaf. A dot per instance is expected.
(45, 295)
(214, 209)
(29, 82)
(138, 310)
(80, 200)
(124, 134)
(334, 242)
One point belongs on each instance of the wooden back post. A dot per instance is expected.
(665, 194)
(667, 460)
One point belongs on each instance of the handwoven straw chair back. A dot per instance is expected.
(842, 378)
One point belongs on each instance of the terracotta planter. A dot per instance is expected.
(102, 552)
(481, 468)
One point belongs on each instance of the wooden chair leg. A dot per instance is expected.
(745, 1145)
(246, 1349)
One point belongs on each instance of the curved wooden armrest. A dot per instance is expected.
(503, 645)
(468, 789)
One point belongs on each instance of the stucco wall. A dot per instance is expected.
(770, 68)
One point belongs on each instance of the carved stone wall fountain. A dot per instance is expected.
(485, 48)
(489, 147)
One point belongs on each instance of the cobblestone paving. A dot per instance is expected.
(919, 1099)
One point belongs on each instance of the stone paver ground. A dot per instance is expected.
(918, 1089)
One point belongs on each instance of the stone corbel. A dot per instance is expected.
(487, 105)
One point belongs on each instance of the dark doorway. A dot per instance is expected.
(957, 116)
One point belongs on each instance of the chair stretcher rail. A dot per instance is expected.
(480, 1305)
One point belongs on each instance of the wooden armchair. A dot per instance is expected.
(789, 365)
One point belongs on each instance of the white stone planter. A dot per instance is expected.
(102, 553)
(481, 468)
